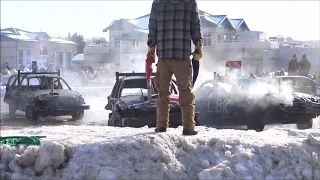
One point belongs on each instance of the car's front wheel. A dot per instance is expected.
(307, 125)
(78, 115)
(256, 126)
(31, 114)
(12, 110)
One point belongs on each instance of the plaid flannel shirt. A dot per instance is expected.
(172, 26)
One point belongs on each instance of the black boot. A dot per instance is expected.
(187, 132)
(160, 129)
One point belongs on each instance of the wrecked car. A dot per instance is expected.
(132, 104)
(253, 102)
(298, 84)
(43, 94)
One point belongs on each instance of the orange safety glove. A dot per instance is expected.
(151, 54)
(197, 54)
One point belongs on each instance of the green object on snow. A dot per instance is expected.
(15, 140)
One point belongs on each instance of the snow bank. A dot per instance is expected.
(101, 152)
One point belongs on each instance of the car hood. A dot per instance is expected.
(138, 103)
(305, 97)
(56, 92)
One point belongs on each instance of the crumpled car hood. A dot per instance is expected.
(136, 103)
(58, 92)
(61, 96)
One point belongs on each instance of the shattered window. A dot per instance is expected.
(134, 92)
(34, 82)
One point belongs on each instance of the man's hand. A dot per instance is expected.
(151, 54)
(197, 54)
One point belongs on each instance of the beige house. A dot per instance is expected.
(22, 47)
(224, 39)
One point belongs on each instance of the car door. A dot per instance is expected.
(112, 98)
(21, 96)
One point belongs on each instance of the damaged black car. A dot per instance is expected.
(43, 94)
(132, 104)
(229, 101)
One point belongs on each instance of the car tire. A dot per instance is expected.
(115, 120)
(78, 115)
(31, 114)
(12, 110)
(257, 126)
(307, 125)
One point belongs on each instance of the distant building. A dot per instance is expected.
(224, 39)
(22, 47)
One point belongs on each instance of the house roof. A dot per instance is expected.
(207, 20)
(142, 22)
(23, 35)
(110, 26)
(237, 23)
(136, 34)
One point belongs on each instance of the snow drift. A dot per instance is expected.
(101, 152)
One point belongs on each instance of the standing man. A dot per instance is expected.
(172, 26)
(305, 66)
(293, 66)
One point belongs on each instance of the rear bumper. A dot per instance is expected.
(60, 110)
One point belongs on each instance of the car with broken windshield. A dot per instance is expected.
(43, 94)
(133, 104)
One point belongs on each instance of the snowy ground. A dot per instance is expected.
(101, 152)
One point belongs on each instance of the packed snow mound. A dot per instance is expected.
(102, 152)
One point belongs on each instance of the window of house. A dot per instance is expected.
(225, 38)
(44, 51)
(207, 40)
(20, 56)
(136, 44)
(28, 56)
(116, 44)
(218, 38)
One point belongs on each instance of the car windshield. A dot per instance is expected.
(43, 83)
(134, 92)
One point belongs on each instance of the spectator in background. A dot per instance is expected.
(293, 66)
(6, 65)
(305, 66)
(51, 68)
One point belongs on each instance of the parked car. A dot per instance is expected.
(133, 105)
(43, 94)
(229, 101)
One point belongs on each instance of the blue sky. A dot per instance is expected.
(297, 19)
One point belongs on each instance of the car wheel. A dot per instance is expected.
(78, 115)
(115, 120)
(31, 114)
(197, 119)
(12, 110)
(257, 126)
(307, 125)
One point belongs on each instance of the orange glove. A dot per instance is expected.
(197, 54)
(151, 54)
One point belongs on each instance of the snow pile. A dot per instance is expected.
(101, 152)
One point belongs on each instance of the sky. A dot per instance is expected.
(297, 19)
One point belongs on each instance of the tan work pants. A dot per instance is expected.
(182, 69)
